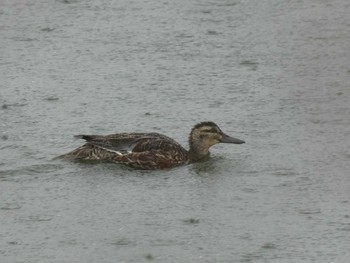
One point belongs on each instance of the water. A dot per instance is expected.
(273, 73)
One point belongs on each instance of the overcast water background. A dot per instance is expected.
(273, 73)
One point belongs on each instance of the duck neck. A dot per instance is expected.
(197, 151)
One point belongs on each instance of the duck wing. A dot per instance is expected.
(124, 143)
(150, 160)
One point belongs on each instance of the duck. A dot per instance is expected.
(149, 151)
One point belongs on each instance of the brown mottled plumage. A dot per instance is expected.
(150, 150)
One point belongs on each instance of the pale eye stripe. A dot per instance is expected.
(210, 130)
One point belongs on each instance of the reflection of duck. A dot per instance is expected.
(150, 150)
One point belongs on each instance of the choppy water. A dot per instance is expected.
(273, 73)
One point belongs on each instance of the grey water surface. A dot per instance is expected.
(273, 73)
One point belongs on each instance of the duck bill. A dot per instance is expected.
(228, 139)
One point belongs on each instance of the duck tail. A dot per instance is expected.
(84, 137)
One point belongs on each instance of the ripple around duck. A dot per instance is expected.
(36, 218)
(309, 211)
(10, 206)
(285, 172)
(122, 241)
(30, 170)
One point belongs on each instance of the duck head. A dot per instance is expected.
(203, 136)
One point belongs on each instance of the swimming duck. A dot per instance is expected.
(150, 150)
